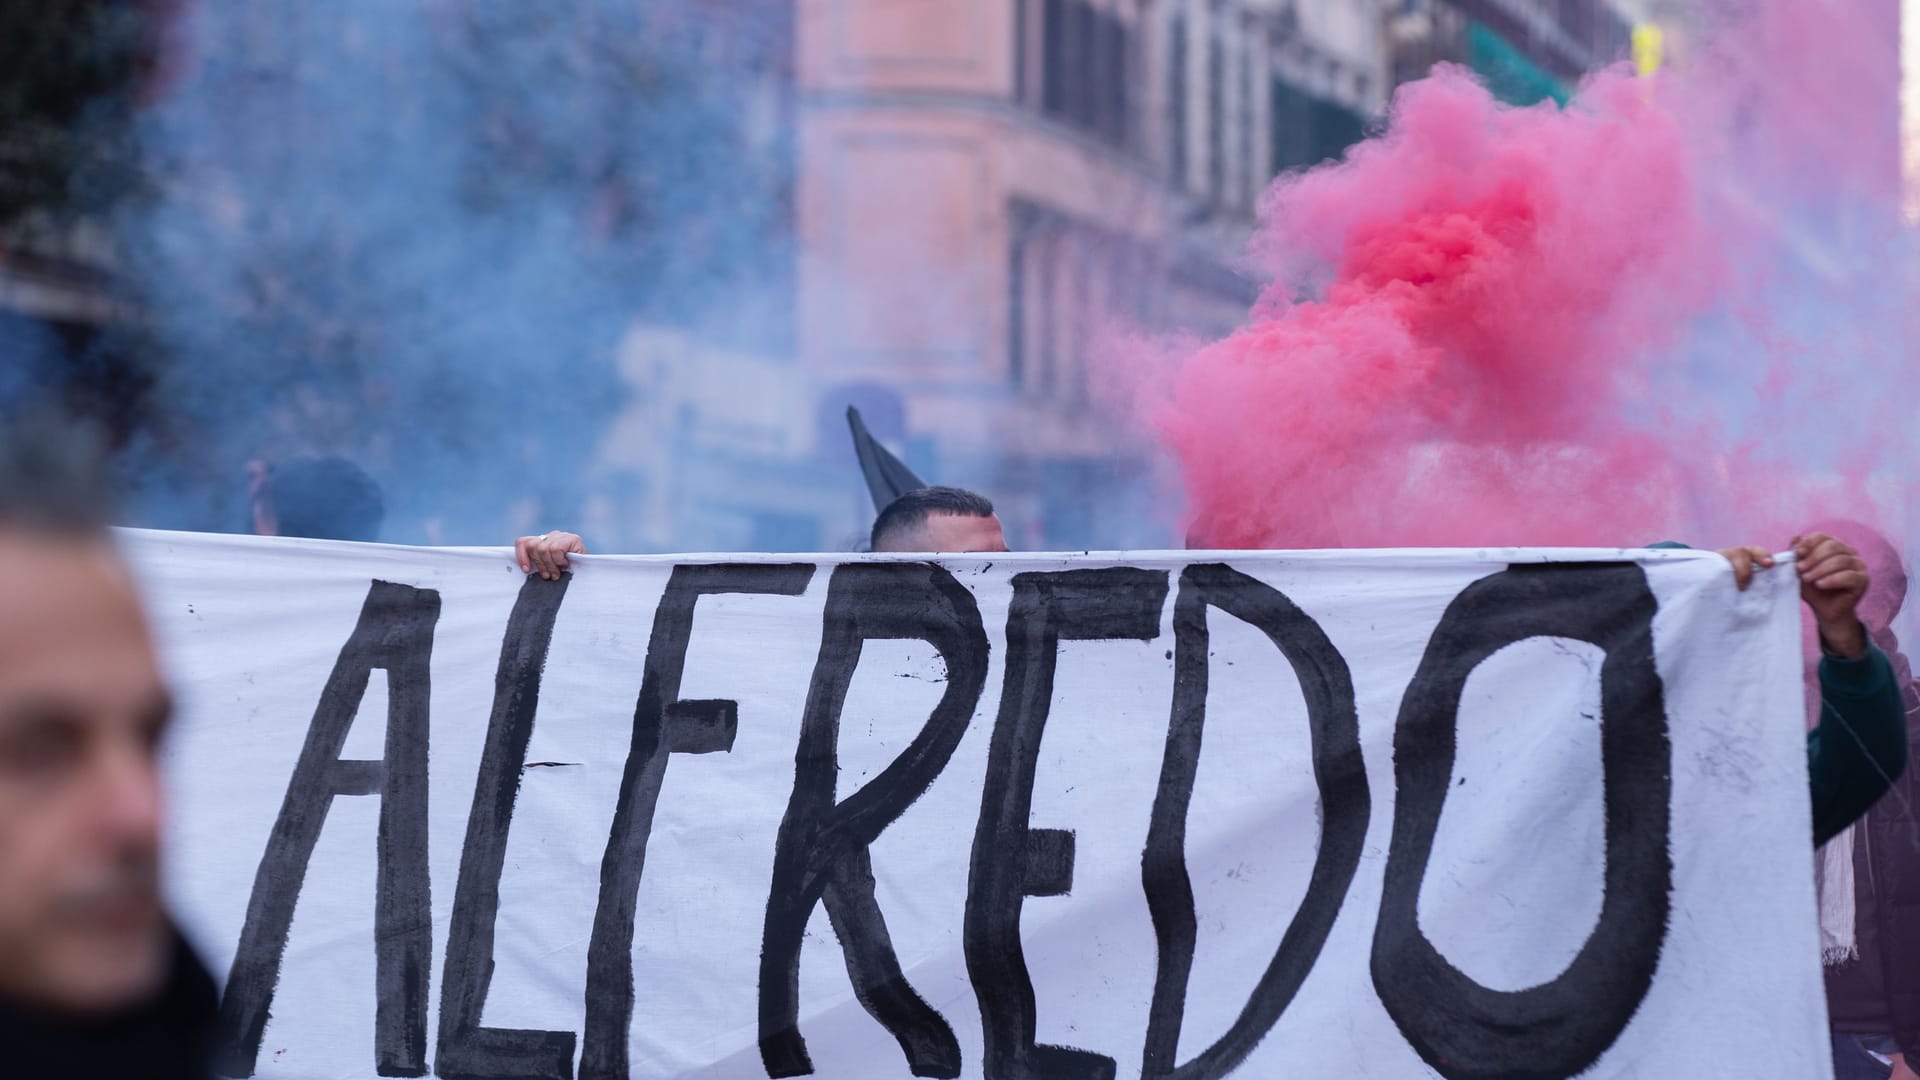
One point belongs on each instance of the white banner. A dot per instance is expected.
(1495, 814)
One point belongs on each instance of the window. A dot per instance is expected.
(1114, 39)
(1038, 240)
(1054, 280)
(1085, 57)
(1082, 45)
(1177, 101)
(1248, 184)
(1102, 88)
(1022, 46)
(1131, 122)
(1053, 63)
(1216, 116)
(1019, 281)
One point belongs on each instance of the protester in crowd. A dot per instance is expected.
(1858, 747)
(1869, 874)
(1865, 723)
(938, 519)
(930, 519)
(94, 979)
(321, 498)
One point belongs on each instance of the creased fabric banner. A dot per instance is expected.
(1473, 814)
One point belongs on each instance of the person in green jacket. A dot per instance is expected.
(1859, 747)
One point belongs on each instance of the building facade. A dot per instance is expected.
(993, 195)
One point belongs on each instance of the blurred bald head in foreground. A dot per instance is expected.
(93, 977)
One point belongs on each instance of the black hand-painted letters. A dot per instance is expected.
(662, 725)
(395, 634)
(822, 856)
(1466, 1031)
(1344, 807)
(469, 1051)
(1012, 861)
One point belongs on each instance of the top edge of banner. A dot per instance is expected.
(1405, 556)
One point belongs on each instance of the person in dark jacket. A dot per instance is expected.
(1858, 745)
(94, 979)
(320, 498)
(1869, 874)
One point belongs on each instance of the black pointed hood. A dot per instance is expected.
(888, 477)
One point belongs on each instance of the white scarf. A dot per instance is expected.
(1833, 884)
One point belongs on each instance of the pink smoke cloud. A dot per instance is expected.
(1489, 267)
(1590, 325)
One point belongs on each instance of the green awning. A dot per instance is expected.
(1309, 129)
(1511, 75)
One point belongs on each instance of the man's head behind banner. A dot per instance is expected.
(321, 498)
(939, 519)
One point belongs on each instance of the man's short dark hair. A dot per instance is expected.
(53, 476)
(324, 498)
(910, 511)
